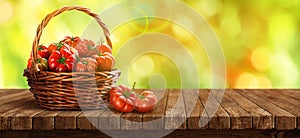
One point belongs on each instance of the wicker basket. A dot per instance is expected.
(69, 90)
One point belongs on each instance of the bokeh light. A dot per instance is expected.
(260, 40)
(261, 59)
(6, 11)
(143, 66)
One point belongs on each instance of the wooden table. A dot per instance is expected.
(243, 113)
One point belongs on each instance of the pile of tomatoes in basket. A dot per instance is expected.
(74, 54)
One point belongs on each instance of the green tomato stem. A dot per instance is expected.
(90, 47)
(62, 60)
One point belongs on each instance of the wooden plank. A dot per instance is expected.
(261, 119)
(239, 118)
(20, 101)
(110, 120)
(66, 120)
(4, 92)
(133, 120)
(11, 109)
(297, 91)
(175, 115)
(219, 118)
(9, 95)
(194, 109)
(283, 119)
(45, 120)
(89, 119)
(21, 119)
(157, 114)
(281, 101)
(292, 97)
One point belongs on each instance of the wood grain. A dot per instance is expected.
(239, 110)
(89, 119)
(10, 95)
(13, 112)
(66, 120)
(239, 118)
(279, 100)
(286, 95)
(110, 120)
(261, 119)
(175, 115)
(45, 120)
(194, 110)
(157, 114)
(283, 119)
(22, 119)
(219, 118)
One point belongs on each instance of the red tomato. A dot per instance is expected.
(42, 64)
(72, 41)
(62, 61)
(105, 60)
(86, 48)
(57, 47)
(145, 102)
(87, 64)
(104, 48)
(43, 51)
(122, 99)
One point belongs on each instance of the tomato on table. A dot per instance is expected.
(122, 99)
(145, 102)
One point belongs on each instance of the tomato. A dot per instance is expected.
(71, 41)
(122, 99)
(145, 102)
(86, 48)
(61, 61)
(43, 51)
(105, 61)
(103, 48)
(57, 47)
(86, 64)
(74, 51)
(42, 64)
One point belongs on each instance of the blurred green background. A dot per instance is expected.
(260, 39)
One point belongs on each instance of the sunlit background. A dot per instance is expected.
(260, 39)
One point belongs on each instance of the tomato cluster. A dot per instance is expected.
(74, 54)
(126, 100)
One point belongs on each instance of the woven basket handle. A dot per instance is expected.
(46, 20)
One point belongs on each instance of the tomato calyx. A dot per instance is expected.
(84, 62)
(100, 54)
(62, 60)
(40, 48)
(72, 38)
(128, 93)
(142, 96)
(90, 47)
(59, 45)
